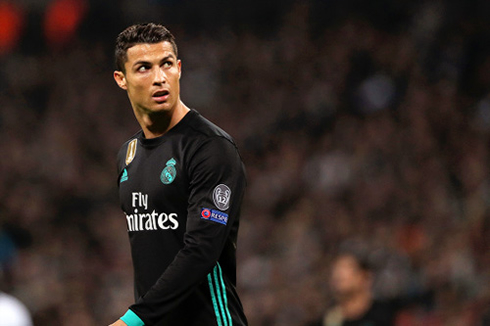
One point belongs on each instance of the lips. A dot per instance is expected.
(161, 96)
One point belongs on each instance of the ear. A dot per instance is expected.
(120, 79)
(179, 64)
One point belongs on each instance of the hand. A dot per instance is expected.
(119, 322)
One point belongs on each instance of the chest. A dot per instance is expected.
(154, 180)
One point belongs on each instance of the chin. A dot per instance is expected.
(164, 107)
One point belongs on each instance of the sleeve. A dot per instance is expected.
(119, 163)
(217, 184)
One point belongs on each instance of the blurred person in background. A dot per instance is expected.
(181, 183)
(13, 312)
(352, 282)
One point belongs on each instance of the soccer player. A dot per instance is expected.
(181, 183)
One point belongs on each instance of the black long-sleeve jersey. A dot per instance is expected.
(181, 194)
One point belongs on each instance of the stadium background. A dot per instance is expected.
(361, 125)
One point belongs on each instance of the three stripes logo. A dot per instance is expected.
(124, 176)
(218, 296)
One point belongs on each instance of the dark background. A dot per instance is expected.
(363, 125)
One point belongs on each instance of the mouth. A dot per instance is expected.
(161, 96)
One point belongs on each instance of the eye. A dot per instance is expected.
(143, 68)
(168, 64)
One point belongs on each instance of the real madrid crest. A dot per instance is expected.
(169, 172)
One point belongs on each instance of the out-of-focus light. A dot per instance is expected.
(63, 17)
(11, 24)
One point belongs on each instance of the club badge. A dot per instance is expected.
(169, 172)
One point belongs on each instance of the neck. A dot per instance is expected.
(356, 305)
(156, 124)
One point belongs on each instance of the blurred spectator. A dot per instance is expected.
(352, 279)
(13, 312)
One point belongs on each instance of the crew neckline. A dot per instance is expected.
(160, 139)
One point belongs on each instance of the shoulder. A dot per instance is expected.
(382, 311)
(130, 140)
(209, 148)
(128, 150)
(204, 129)
(205, 139)
(385, 304)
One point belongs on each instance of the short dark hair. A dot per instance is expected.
(138, 34)
(362, 260)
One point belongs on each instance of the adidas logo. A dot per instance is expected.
(124, 176)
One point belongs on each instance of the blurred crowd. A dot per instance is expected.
(361, 126)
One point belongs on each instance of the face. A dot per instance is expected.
(347, 277)
(152, 78)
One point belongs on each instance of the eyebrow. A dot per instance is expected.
(143, 62)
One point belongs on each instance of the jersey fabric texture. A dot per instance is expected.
(181, 194)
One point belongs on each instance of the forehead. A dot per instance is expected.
(148, 52)
(346, 262)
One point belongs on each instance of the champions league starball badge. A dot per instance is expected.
(169, 172)
(221, 197)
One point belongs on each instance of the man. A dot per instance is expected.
(181, 183)
(352, 280)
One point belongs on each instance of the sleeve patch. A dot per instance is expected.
(221, 197)
(214, 215)
(131, 152)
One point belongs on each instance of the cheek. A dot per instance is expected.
(176, 82)
(138, 86)
(175, 77)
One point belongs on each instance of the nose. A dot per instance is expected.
(159, 76)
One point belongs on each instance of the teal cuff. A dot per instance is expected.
(132, 319)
